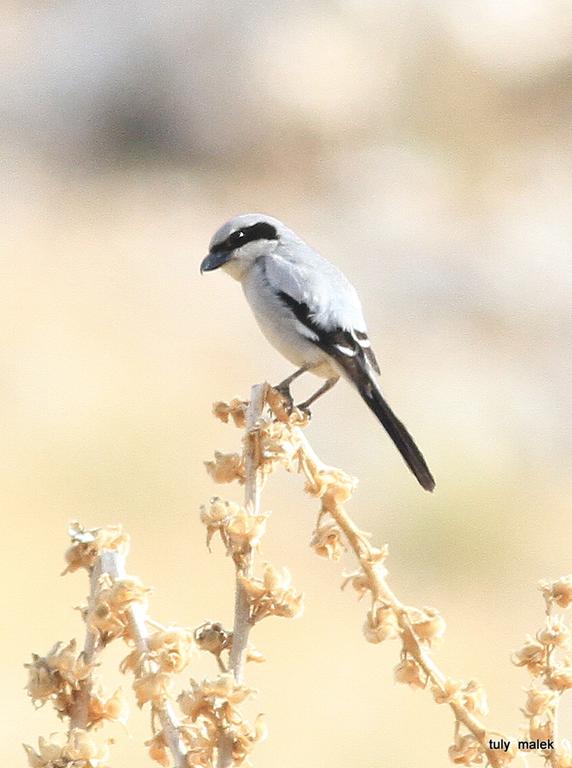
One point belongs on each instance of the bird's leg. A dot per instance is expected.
(305, 406)
(284, 386)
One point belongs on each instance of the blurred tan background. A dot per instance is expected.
(426, 148)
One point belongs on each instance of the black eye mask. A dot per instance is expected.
(260, 231)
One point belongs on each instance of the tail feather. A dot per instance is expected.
(398, 433)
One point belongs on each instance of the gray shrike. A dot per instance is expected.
(310, 312)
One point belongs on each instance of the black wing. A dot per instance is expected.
(353, 353)
(350, 349)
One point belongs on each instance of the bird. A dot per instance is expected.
(310, 312)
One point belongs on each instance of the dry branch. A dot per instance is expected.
(282, 442)
(116, 608)
(244, 558)
(211, 729)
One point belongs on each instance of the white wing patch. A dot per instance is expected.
(345, 350)
(361, 343)
(303, 330)
(360, 337)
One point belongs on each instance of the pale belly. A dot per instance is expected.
(283, 331)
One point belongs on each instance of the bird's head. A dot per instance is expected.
(241, 241)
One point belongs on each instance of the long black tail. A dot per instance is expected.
(397, 432)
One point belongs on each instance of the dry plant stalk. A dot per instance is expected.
(548, 659)
(210, 729)
(281, 442)
(116, 608)
(241, 530)
(243, 557)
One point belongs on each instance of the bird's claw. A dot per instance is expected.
(286, 396)
(305, 409)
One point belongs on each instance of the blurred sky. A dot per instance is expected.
(426, 148)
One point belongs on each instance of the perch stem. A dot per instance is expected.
(252, 489)
(112, 562)
(384, 594)
(92, 646)
(245, 564)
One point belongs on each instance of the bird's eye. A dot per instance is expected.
(260, 231)
(236, 238)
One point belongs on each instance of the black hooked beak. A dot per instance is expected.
(214, 260)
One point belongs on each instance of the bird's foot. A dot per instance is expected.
(305, 409)
(287, 399)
